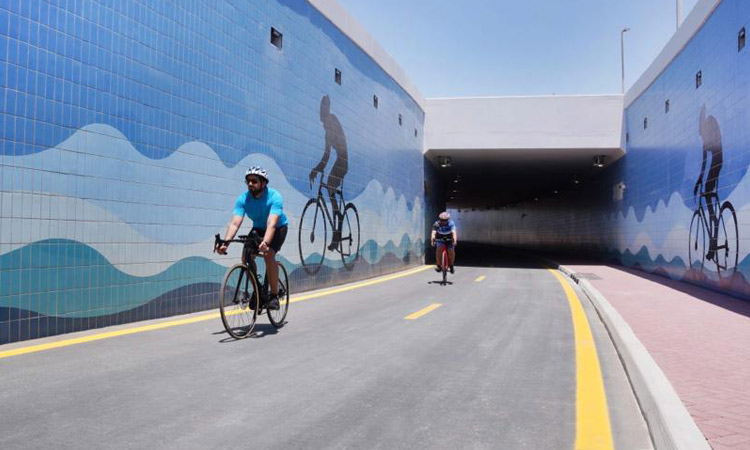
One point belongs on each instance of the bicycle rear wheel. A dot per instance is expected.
(238, 301)
(350, 236)
(278, 316)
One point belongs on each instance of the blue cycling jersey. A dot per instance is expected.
(443, 230)
(258, 209)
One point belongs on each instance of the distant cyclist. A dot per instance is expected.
(265, 207)
(711, 137)
(444, 234)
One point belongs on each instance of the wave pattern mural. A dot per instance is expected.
(125, 132)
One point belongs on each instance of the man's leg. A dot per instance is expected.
(451, 256)
(438, 256)
(333, 184)
(713, 220)
(272, 270)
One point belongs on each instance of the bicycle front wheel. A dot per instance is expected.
(697, 242)
(727, 240)
(238, 301)
(350, 236)
(277, 317)
(312, 236)
(445, 265)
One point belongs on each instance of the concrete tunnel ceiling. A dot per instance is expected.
(507, 150)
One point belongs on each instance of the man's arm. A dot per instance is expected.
(322, 164)
(273, 219)
(432, 237)
(455, 236)
(698, 182)
(232, 228)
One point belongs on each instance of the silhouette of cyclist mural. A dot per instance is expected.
(343, 219)
(720, 227)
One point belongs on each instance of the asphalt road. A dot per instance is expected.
(493, 366)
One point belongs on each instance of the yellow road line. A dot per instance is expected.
(423, 311)
(480, 278)
(107, 335)
(359, 285)
(593, 430)
(173, 323)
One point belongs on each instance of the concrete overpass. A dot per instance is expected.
(503, 150)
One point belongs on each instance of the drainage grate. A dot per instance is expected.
(588, 276)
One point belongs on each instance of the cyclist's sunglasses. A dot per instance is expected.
(442, 221)
(253, 180)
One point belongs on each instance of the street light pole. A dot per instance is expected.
(622, 57)
(679, 12)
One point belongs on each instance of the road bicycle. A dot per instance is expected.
(726, 252)
(313, 230)
(243, 297)
(444, 260)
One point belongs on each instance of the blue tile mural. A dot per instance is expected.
(684, 212)
(126, 128)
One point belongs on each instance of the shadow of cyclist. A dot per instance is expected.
(335, 139)
(711, 137)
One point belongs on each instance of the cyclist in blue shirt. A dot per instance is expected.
(265, 207)
(444, 234)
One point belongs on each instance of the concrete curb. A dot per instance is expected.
(669, 422)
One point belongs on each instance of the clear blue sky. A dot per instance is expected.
(454, 48)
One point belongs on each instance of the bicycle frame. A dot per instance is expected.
(710, 223)
(329, 213)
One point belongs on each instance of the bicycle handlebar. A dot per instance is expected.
(252, 238)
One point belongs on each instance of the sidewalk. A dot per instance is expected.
(700, 339)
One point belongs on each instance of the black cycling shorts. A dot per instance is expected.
(446, 240)
(278, 237)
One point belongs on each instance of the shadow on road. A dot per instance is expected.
(260, 331)
(478, 255)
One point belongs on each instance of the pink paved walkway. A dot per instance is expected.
(700, 339)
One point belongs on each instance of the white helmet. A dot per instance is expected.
(444, 216)
(257, 170)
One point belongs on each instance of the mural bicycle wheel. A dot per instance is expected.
(350, 236)
(313, 236)
(697, 242)
(727, 240)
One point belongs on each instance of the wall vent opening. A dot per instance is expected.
(666, 107)
(276, 38)
(375, 101)
(337, 76)
(698, 79)
(741, 39)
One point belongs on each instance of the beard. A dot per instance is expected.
(255, 191)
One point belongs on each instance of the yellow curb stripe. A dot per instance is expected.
(423, 311)
(593, 430)
(480, 278)
(107, 335)
(173, 323)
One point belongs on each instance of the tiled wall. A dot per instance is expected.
(657, 223)
(664, 224)
(125, 130)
